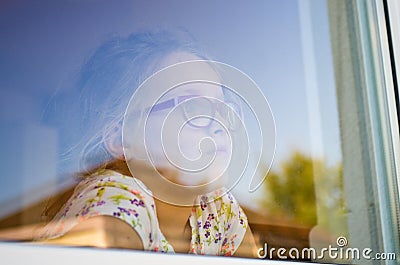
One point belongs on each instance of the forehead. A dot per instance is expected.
(201, 87)
(196, 88)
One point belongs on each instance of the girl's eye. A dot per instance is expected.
(199, 112)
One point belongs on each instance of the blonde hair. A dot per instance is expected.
(105, 85)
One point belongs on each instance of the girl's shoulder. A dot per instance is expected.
(113, 181)
(108, 193)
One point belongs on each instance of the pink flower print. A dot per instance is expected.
(134, 192)
(229, 253)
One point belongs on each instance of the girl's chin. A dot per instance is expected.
(212, 174)
(199, 179)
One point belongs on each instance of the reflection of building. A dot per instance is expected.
(275, 232)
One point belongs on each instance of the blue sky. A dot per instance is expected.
(44, 43)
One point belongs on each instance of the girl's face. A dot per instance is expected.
(186, 130)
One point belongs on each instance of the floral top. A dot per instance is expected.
(218, 226)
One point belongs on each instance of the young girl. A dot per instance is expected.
(113, 193)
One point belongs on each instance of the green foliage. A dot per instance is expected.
(304, 186)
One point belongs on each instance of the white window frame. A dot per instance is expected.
(21, 253)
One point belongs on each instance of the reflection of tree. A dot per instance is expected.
(292, 192)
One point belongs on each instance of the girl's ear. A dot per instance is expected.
(112, 140)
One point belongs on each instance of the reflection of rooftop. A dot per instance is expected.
(24, 223)
(277, 232)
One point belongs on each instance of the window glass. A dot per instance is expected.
(270, 117)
